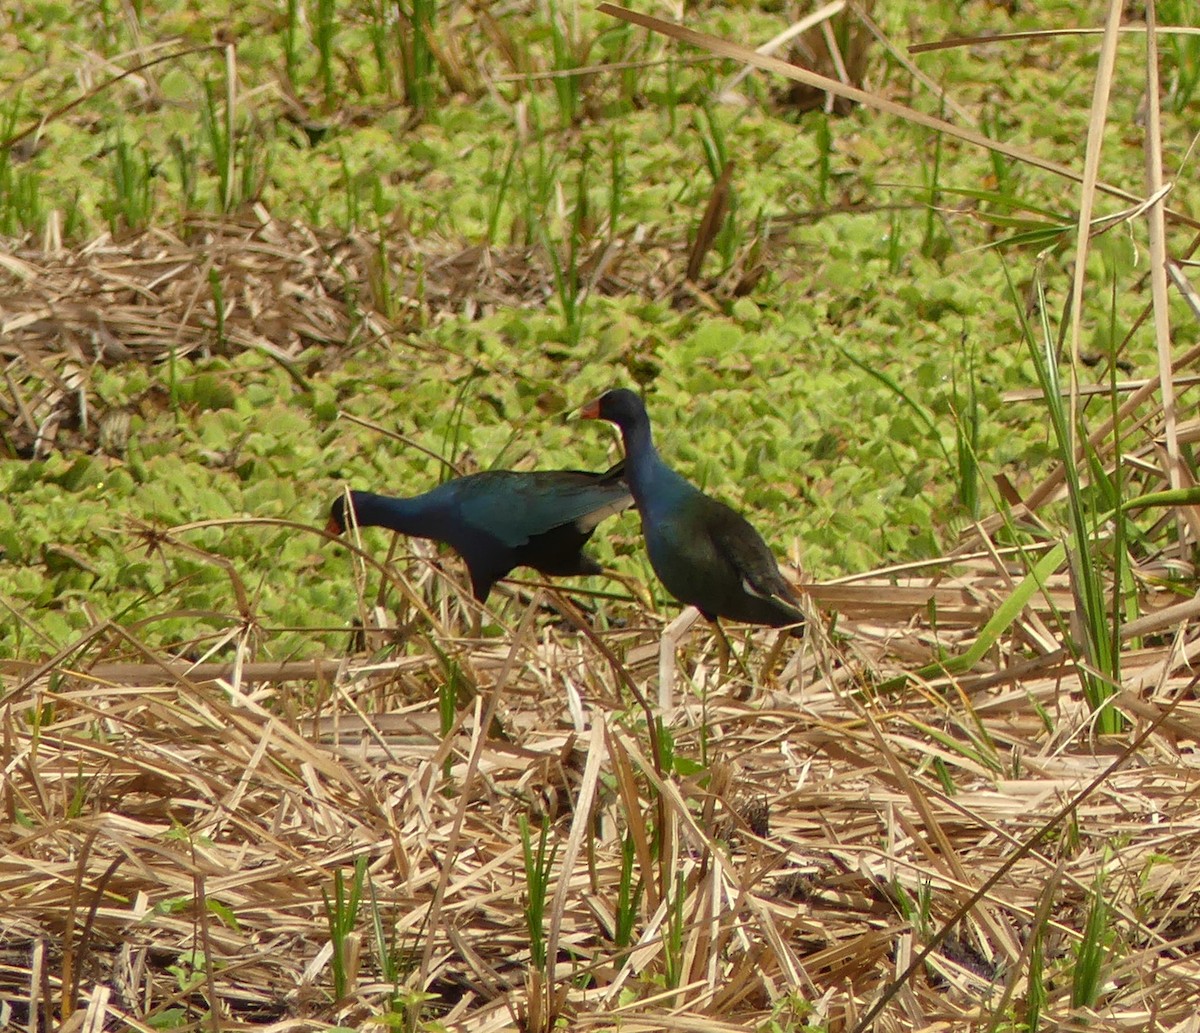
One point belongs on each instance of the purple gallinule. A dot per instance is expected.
(500, 519)
(706, 554)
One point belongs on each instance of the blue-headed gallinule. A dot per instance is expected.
(706, 554)
(501, 519)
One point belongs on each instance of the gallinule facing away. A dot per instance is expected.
(706, 554)
(501, 519)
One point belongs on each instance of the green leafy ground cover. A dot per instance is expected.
(830, 400)
(224, 270)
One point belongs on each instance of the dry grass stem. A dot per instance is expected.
(885, 822)
(819, 825)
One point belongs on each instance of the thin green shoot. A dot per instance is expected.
(1124, 589)
(672, 95)
(220, 144)
(496, 202)
(571, 295)
(1030, 961)
(383, 288)
(673, 934)
(627, 46)
(381, 205)
(729, 238)
(944, 777)
(76, 805)
(385, 943)
(966, 434)
(107, 19)
(325, 31)
(21, 199)
(1087, 974)
(379, 31)
(629, 895)
(186, 171)
(1002, 167)
(1180, 55)
(566, 87)
(218, 299)
(823, 139)
(417, 62)
(19, 204)
(228, 198)
(916, 911)
(1032, 225)
(291, 39)
(666, 742)
(395, 965)
(173, 384)
(130, 203)
(448, 692)
(712, 140)
(1036, 994)
(895, 244)
(566, 287)
(422, 291)
(538, 865)
(705, 732)
(1101, 676)
(541, 169)
(254, 160)
(1072, 839)
(616, 180)
(349, 190)
(342, 915)
(454, 428)
(354, 312)
(934, 244)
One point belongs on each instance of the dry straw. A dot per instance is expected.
(783, 849)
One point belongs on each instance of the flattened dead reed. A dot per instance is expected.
(174, 836)
(298, 296)
(179, 838)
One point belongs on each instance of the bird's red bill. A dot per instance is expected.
(590, 411)
(333, 527)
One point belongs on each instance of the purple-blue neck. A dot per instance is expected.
(414, 516)
(652, 482)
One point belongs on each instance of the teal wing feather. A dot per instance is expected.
(515, 507)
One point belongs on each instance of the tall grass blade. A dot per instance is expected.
(1101, 676)
(1087, 975)
(418, 64)
(539, 862)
